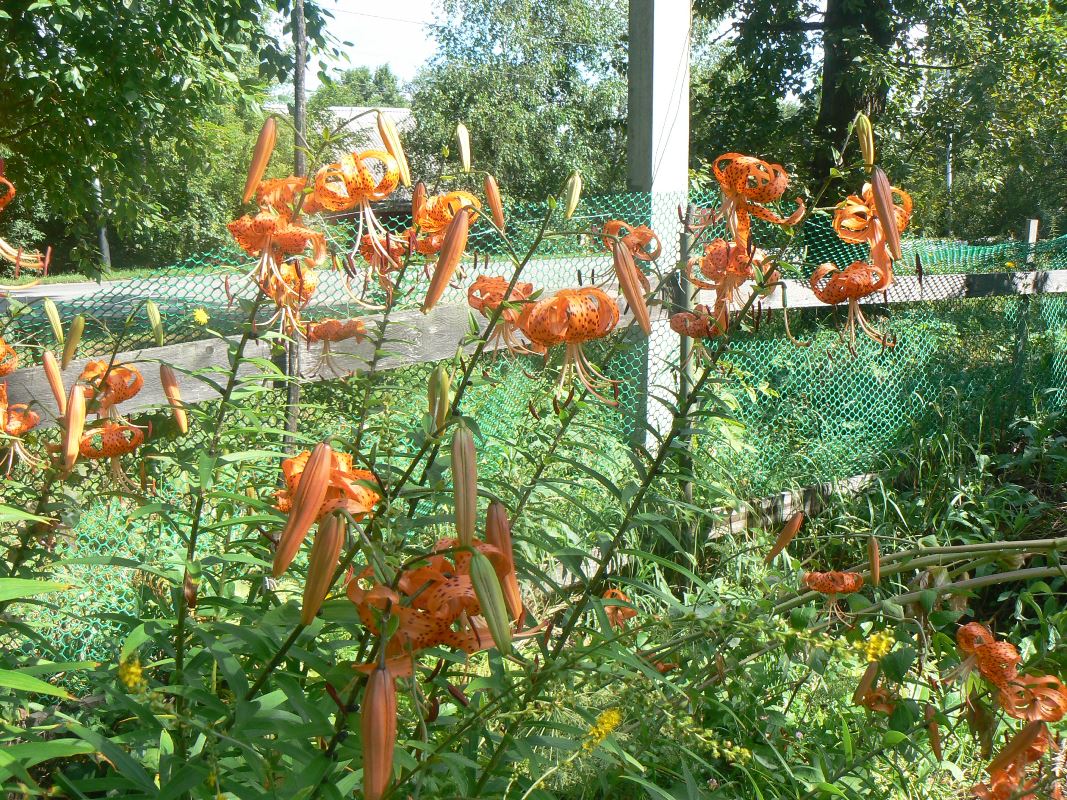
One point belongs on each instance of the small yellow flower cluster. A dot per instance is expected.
(132, 676)
(878, 646)
(608, 721)
(200, 316)
(730, 752)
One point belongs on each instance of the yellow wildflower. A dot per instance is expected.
(1009, 264)
(200, 316)
(878, 646)
(608, 721)
(131, 675)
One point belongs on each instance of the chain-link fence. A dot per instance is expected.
(808, 414)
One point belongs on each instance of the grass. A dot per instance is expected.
(115, 274)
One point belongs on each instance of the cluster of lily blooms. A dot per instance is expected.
(747, 183)
(1037, 699)
(100, 388)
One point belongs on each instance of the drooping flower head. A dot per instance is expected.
(9, 359)
(573, 317)
(110, 384)
(16, 420)
(641, 241)
(435, 602)
(486, 294)
(330, 331)
(747, 183)
(856, 220)
(345, 486)
(833, 583)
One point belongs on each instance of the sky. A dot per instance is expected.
(382, 33)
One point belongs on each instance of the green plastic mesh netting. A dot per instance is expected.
(809, 414)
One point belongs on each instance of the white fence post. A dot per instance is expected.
(658, 153)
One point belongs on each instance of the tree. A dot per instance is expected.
(539, 83)
(792, 78)
(90, 87)
(359, 87)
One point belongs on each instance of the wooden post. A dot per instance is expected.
(1031, 239)
(657, 154)
(1022, 327)
(683, 301)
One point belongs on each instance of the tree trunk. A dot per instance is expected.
(850, 28)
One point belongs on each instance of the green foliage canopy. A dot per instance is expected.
(541, 86)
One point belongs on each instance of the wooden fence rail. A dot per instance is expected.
(416, 338)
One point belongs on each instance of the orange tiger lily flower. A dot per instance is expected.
(879, 699)
(270, 231)
(746, 183)
(436, 604)
(330, 331)
(1033, 698)
(833, 583)
(9, 359)
(385, 256)
(573, 317)
(15, 421)
(109, 387)
(290, 286)
(486, 294)
(701, 323)
(859, 279)
(998, 662)
(973, 635)
(641, 241)
(353, 182)
(112, 440)
(343, 488)
(16, 418)
(618, 615)
(335, 330)
(280, 195)
(439, 210)
(857, 220)
(725, 267)
(1007, 772)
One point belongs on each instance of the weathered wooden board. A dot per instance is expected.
(908, 288)
(411, 338)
